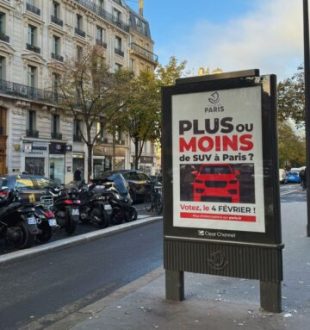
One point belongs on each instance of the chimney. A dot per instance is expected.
(141, 5)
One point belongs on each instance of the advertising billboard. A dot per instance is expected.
(217, 160)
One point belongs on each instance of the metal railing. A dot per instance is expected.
(101, 43)
(144, 52)
(79, 32)
(28, 92)
(57, 57)
(32, 133)
(57, 20)
(103, 13)
(33, 48)
(119, 52)
(33, 9)
(56, 136)
(4, 37)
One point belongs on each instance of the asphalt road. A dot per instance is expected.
(62, 281)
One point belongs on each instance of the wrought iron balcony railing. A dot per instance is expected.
(79, 32)
(119, 52)
(144, 52)
(4, 37)
(28, 92)
(56, 136)
(33, 48)
(33, 9)
(103, 13)
(57, 20)
(32, 133)
(57, 57)
(101, 43)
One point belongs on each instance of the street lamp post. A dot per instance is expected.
(307, 104)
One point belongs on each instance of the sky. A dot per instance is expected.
(230, 34)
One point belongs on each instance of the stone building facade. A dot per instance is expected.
(36, 37)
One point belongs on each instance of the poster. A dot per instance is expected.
(218, 160)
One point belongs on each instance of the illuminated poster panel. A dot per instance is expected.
(217, 160)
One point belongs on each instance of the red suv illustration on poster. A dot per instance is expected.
(216, 183)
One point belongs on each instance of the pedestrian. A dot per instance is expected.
(77, 177)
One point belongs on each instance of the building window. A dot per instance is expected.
(32, 76)
(32, 35)
(100, 33)
(79, 53)
(118, 46)
(100, 130)
(100, 3)
(56, 127)
(56, 9)
(31, 124)
(79, 22)
(77, 125)
(117, 15)
(3, 36)
(117, 67)
(2, 68)
(56, 45)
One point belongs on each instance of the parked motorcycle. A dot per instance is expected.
(116, 191)
(66, 207)
(18, 223)
(46, 223)
(94, 207)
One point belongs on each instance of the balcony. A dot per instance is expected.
(57, 20)
(4, 37)
(32, 133)
(57, 57)
(27, 92)
(56, 136)
(77, 138)
(33, 9)
(33, 48)
(103, 14)
(79, 32)
(119, 52)
(146, 54)
(101, 43)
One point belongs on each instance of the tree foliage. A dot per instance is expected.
(90, 92)
(291, 147)
(291, 98)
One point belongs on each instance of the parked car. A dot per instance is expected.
(216, 183)
(31, 187)
(292, 177)
(139, 183)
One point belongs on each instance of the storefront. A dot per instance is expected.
(35, 157)
(57, 153)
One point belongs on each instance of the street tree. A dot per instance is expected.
(91, 94)
(141, 118)
(291, 147)
(291, 98)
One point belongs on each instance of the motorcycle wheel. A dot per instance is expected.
(117, 216)
(46, 233)
(70, 224)
(25, 239)
(100, 217)
(133, 214)
(158, 207)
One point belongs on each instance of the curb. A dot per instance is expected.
(71, 241)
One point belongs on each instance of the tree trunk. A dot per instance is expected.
(89, 162)
(136, 143)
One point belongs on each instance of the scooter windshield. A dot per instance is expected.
(119, 182)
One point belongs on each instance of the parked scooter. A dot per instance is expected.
(66, 208)
(18, 223)
(94, 207)
(116, 191)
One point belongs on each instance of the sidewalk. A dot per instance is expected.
(211, 302)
